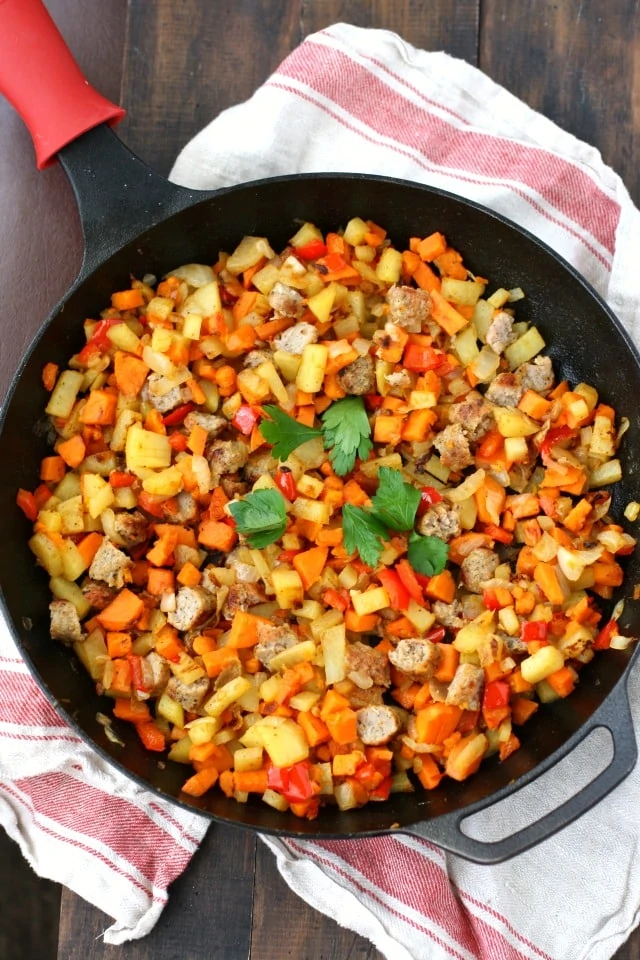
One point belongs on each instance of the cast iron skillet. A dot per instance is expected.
(136, 222)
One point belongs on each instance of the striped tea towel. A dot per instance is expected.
(362, 100)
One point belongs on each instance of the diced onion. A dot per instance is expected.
(467, 488)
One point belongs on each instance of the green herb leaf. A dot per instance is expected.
(284, 433)
(261, 517)
(395, 501)
(427, 555)
(347, 433)
(363, 532)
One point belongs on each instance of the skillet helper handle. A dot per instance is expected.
(615, 715)
(40, 78)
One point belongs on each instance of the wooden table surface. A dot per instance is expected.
(175, 65)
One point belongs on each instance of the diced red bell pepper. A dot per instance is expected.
(151, 736)
(286, 483)
(496, 694)
(287, 556)
(603, 640)
(294, 783)
(137, 676)
(178, 442)
(398, 594)
(151, 504)
(99, 341)
(428, 496)
(408, 577)
(421, 358)
(337, 599)
(226, 297)
(489, 599)
(553, 437)
(119, 479)
(334, 262)
(177, 416)
(373, 401)
(245, 419)
(534, 630)
(311, 251)
(27, 503)
(382, 791)
(436, 635)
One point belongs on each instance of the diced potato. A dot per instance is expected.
(514, 423)
(465, 345)
(365, 253)
(72, 515)
(125, 498)
(464, 292)
(166, 483)
(540, 664)
(389, 265)
(310, 486)
(51, 520)
(97, 494)
(310, 610)
(186, 669)
(288, 587)
(383, 369)
(179, 751)
(499, 298)
(317, 511)
(312, 367)
(325, 622)
(321, 304)
(355, 231)
(124, 420)
(606, 473)
(421, 619)
(459, 764)
(304, 651)
(473, 634)
(334, 648)
(468, 513)
(92, 653)
(307, 233)
(68, 487)
(266, 278)
(545, 692)
(252, 387)
(101, 463)
(602, 444)
(304, 700)
(212, 395)
(226, 695)
(158, 361)
(370, 601)
(64, 394)
(281, 737)
(271, 688)
(482, 317)
(171, 710)
(47, 553)
(509, 621)
(160, 307)
(204, 301)
(65, 590)
(274, 799)
(146, 449)
(203, 729)
(516, 449)
(346, 326)
(345, 796)
(270, 375)
(265, 482)
(247, 758)
(192, 326)
(123, 338)
(288, 364)
(437, 469)
(371, 467)
(525, 348)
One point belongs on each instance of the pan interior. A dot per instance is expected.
(585, 344)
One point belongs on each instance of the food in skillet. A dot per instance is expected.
(321, 523)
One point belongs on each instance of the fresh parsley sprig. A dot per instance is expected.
(261, 517)
(347, 433)
(427, 555)
(395, 502)
(284, 433)
(364, 532)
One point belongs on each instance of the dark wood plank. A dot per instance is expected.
(209, 910)
(294, 930)
(187, 61)
(575, 61)
(32, 904)
(435, 25)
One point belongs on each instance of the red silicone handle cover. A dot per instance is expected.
(39, 76)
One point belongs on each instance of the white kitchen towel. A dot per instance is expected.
(359, 100)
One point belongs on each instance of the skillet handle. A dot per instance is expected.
(615, 715)
(40, 78)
